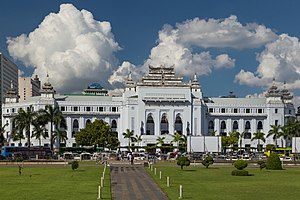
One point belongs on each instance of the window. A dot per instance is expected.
(290, 112)
(114, 109)
(75, 127)
(164, 125)
(113, 124)
(276, 110)
(235, 126)
(260, 111)
(210, 110)
(101, 109)
(223, 125)
(247, 125)
(150, 125)
(259, 125)
(88, 109)
(88, 121)
(178, 124)
(210, 125)
(235, 110)
(276, 122)
(223, 110)
(75, 108)
(247, 110)
(132, 123)
(62, 108)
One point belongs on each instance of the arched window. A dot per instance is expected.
(75, 127)
(211, 125)
(223, 125)
(178, 124)
(113, 123)
(259, 125)
(247, 125)
(87, 122)
(235, 126)
(164, 125)
(150, 125)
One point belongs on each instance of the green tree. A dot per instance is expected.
(233, 139)
(60, 136)
(183, 142)
(274, 162)
(17, 134)
(259, 136)
(183, 161)
(129, 135)
(2, 132)
(96, 133)
(207, 161)
(276, 132)
(176, 139)
(38, 129)
(241, 136)
(52, 115)
(138, 139)
(23, 120)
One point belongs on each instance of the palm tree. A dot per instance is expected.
(17, 134)
(23, 120)
(183, 141)
(138, 139)
(128, 134)
(241, 136)
(55, 117)
(275, 131)
(259, 136)
(60, 135)
(2, 138)
(160, 141)
(38, 129)
(176, 139)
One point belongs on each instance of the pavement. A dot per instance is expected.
(132, 182)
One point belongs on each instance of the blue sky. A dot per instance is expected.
(135, 42)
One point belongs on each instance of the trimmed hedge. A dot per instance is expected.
(240, 164)
(273, 162)
(240, 173)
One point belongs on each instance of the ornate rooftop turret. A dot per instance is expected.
(129, 84)
(162, 76)
(11, 95)
(47, 90)
(286, 95)
(273, 91)
(95, 89)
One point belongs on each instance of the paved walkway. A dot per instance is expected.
(132, 182)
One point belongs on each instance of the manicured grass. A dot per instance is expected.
(52, 182)
(218, 183)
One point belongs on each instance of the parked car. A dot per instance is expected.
(286, 158)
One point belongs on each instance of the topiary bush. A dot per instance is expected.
(183, 161)
(75, 165)
(208, 161)
(240, 164)
(240, 173)
(273, 162)
(261, 164)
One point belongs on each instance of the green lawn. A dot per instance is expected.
(52, 182)
(217, 183)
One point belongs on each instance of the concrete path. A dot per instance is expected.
(132, 182)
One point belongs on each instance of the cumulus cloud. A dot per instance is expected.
(279, 60)
(177, 45)
(71, 46)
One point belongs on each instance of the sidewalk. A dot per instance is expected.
(132, 182)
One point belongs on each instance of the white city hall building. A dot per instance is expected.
(159, 105)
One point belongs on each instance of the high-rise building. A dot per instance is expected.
(29, 87)
(8, 76)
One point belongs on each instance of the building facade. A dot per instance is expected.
(29, 87)
(159, 105)
(8, 75)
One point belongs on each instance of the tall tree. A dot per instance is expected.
(276, 132)
(38, 129)
(259, 136)
(60, 135)
(176, 139)
(2, 132)
(129, 135)
(23, 120)
(17, 134)
(52, 114)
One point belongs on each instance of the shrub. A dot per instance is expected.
(19, 159)
(274, 162)
(239, 173)
(183, 161)
(240, 164)
(75, 165)
(261, 164)
(270, 147)
(208, 161)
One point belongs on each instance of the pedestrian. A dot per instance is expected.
(129, 156)
(131, 159)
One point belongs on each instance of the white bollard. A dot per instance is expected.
(102, 181)
(168, 181)
(151, 168)
(180, 192)
(99, 192)
(149, 165)
(155, 171)
(159, 174)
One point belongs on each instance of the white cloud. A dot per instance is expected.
(178, 45)
(71, 46)
(280, 60)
